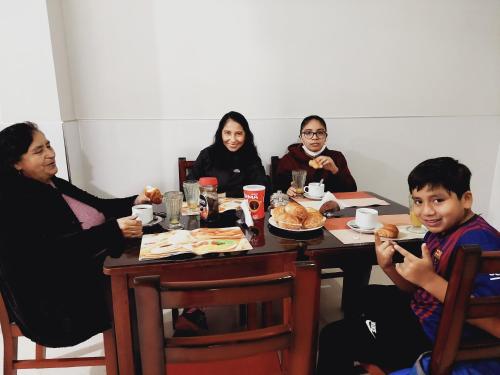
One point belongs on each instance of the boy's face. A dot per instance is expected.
(439, 210)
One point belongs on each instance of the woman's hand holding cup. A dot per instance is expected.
(130, 226)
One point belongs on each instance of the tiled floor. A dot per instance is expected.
(329, 311)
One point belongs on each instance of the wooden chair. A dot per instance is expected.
(272, 172)
(11, 363)
(184, 166)
(458, 307)
(296, 334)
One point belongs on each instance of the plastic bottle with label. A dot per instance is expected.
(209, 200)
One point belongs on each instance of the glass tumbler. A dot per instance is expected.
(174, 206)
(192, 193)
(299, 180)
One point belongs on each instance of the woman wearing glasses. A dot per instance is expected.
(329, 165)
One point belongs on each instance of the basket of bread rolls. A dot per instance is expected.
(296, 217)
(388, 231)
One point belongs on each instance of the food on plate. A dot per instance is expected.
(296, 217)
(154, 194)
(313, 220)
(296, 210)
(288, 221)
(227, 233)
(329, 206)
(314, 164)
(388, 231)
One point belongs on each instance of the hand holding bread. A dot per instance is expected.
(388, 231)
(154, 194)
(314, 164)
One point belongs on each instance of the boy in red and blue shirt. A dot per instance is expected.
(394, 324)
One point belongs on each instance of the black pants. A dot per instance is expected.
(382, 330)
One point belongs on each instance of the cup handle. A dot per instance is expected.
(306, 188)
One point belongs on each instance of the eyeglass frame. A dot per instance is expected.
(315, 134)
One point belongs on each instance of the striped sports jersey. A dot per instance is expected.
(442, 246)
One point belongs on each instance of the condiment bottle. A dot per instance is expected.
(209, 200)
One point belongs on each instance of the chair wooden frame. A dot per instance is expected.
(296, 334)
(11, 363)
(458, 307)
(184, 166)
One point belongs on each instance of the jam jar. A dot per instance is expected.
(209, 201)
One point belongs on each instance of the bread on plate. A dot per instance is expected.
(295, 216)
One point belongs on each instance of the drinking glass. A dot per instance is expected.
(192, 194)
(416, 226)
(174, 206)
(299, 180)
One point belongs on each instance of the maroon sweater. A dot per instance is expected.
(296, 158)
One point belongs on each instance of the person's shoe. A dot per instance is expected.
(192, 322)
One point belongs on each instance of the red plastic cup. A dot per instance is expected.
(254, 194)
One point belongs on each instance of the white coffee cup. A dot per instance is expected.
(315, 189)
(144, 212)
(366, 218)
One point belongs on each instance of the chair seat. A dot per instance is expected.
(262, 364)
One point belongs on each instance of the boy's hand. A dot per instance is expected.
(418, 271)
(384, 250)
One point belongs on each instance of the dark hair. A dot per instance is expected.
(248, 150)
(15, 141)
(309, 119)
(444, 171)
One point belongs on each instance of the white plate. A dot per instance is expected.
(352, 224)
(156, 220)
(274, 224)
(314, 197)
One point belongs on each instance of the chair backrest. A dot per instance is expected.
(296, 332)
(459, 306)
(11, 362)
(184, 166)
(272, 171)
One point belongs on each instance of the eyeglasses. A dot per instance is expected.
(309, 134)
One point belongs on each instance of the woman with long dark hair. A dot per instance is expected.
(53, 240)
(232, 158)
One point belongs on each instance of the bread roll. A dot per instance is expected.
(388, 231)
(296, 210)
(277, 210)
(154, 194)
(314, 164)
(288, 221)
(313, 220)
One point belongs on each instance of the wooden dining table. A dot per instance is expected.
(273, 250)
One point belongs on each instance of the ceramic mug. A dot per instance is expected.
(315, 189)
(144, 212)
(366, 218)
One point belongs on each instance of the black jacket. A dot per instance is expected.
(51, 269)
(232, 169)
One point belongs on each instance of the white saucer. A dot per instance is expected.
(156, 220)
(352, 224)
(314, 197)
(274, 224)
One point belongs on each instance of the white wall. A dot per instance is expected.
(27, 76)
(398, 81)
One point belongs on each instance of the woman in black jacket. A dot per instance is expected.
(232, 158)
(53, 240)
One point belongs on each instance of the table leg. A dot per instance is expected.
(123, 330)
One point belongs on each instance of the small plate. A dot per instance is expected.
(352, 224)
(156, 220)
(274, 224)
(314, 197)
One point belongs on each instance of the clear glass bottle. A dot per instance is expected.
(209, 201)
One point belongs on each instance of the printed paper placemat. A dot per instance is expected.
(199, 241)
